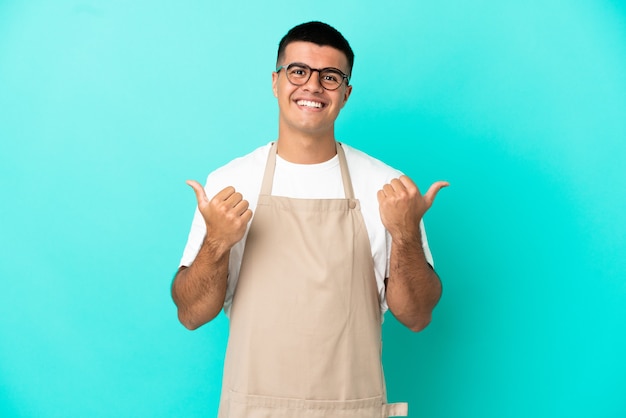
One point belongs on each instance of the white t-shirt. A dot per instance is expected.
(305, 181)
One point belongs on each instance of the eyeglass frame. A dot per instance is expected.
(344, 76)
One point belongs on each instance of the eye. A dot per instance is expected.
(331, 78)
(297, 71)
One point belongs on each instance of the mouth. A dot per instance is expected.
(310, 104)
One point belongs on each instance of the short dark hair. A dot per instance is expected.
(320, 34)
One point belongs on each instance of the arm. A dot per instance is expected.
(199, 290)
(413, 288)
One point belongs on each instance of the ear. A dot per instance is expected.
(275, 83)
(346, 95)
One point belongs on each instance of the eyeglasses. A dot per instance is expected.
(299, 74)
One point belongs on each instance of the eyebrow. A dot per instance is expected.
(317, 69)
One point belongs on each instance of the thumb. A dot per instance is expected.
(433, 190)
(198, 190)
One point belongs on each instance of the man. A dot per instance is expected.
(336, 238)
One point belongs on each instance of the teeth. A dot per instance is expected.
(309, 103)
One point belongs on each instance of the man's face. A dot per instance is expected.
(310, 109)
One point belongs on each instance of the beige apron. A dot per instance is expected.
(305, 326)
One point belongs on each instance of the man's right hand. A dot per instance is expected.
(226, 215)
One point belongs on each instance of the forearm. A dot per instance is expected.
(200, 289)
(413, 287)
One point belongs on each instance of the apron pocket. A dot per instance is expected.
(255, 406)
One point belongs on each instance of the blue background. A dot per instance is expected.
(107, 107)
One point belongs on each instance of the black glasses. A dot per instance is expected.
(299, 74)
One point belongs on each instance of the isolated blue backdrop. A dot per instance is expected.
(107, 107)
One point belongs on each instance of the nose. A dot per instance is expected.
(314, 83)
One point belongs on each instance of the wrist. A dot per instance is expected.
(217, 249)
(407, 237)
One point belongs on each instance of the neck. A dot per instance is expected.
(306, 149)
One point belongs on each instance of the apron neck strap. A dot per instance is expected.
(345, 173)
(268, 176)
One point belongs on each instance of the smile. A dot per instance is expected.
(310, 103)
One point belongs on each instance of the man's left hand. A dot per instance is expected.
(402, 206)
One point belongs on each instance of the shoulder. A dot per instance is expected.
(368, 170)
(254, 159)
(243, 173)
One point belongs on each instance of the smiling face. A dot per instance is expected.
(309, 110)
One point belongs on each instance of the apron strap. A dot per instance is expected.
(268, 176)
(399, 409)
(345, 173)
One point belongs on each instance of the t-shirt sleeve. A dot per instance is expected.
(429, 256)
(194, 240)
(197, 231)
